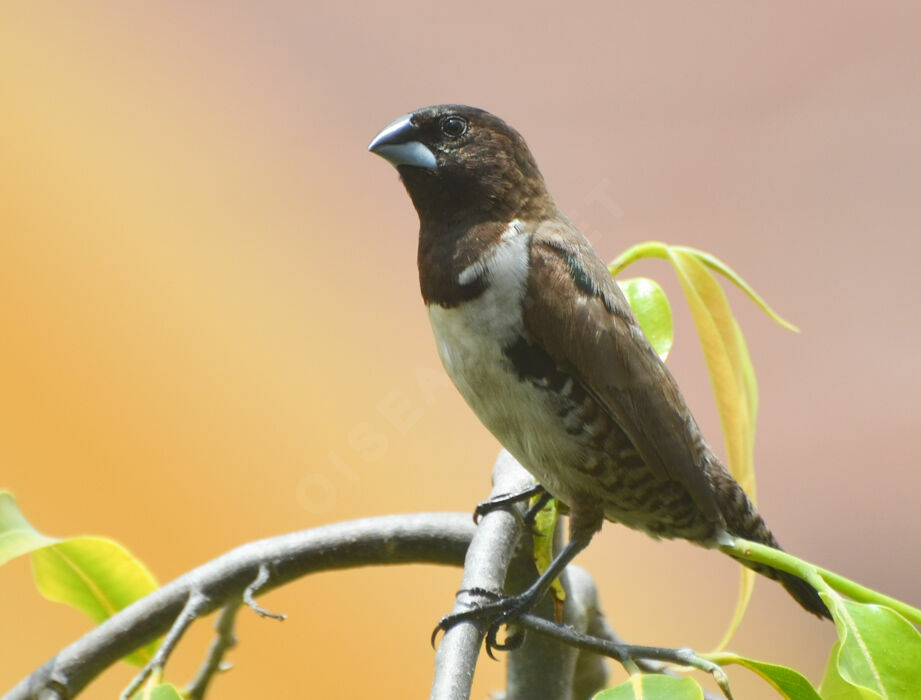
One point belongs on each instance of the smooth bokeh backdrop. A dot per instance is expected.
(211, 332)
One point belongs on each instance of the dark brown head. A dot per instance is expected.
(463, 164)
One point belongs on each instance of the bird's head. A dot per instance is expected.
(460, 162)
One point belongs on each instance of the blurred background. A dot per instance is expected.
(211, 331)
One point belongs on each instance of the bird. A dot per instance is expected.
(542, 344)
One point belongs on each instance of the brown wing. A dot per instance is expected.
(599, 341)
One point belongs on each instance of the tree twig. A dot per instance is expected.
(224, 640)
(194, 607)
(262, 578)
(626, 652)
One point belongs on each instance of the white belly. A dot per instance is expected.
(471, 338)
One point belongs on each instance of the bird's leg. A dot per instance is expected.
(508, 499)
(525, 601)
(585, 519)
(538, 506)
(504, 610)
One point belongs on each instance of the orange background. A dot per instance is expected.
(211, 332)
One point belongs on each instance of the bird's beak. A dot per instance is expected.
(398, 144)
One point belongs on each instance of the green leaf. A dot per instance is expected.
(878, 654)
(791, 684)
(654, 686)
(651, 308)
(165, 691)
(834, 687)
(17, 536)
(94, 575)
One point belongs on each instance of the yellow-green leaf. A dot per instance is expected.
(650, 249)
(651, 308)
(746, 586)
(716, 264)
(17, 536)
(94, 575)
(834, 687)
(657, 249)
(654, 686)
(165, 691)
(791, 684)
(721, 346)
(728, 363)
(544, 528)
(726, 357)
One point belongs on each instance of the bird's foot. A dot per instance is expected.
(498, 611)
(506, 500)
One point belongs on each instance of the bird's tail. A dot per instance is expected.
(743, 520)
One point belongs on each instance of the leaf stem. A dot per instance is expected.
(775, 558)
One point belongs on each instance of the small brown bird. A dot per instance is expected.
(542, 344)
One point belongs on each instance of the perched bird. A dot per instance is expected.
(542, 344)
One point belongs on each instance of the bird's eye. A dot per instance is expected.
(453, 126)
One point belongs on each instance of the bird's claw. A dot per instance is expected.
(499, 612)
(500, 502)
(448, 621)
(513, 640)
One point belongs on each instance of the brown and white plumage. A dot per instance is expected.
(543, 346)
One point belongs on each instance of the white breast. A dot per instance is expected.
(471, 338)
(496, 313)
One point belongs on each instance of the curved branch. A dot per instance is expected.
(541, 667)
(436, 538)
(433, 538)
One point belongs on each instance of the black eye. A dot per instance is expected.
(453, 126)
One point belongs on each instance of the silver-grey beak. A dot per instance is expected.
(397, 143)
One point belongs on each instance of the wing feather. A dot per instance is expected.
(599, 341)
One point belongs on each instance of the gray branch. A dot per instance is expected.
(434, 538)
(485, 568)
(542, 667)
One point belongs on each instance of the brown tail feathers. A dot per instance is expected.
(743, 520)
